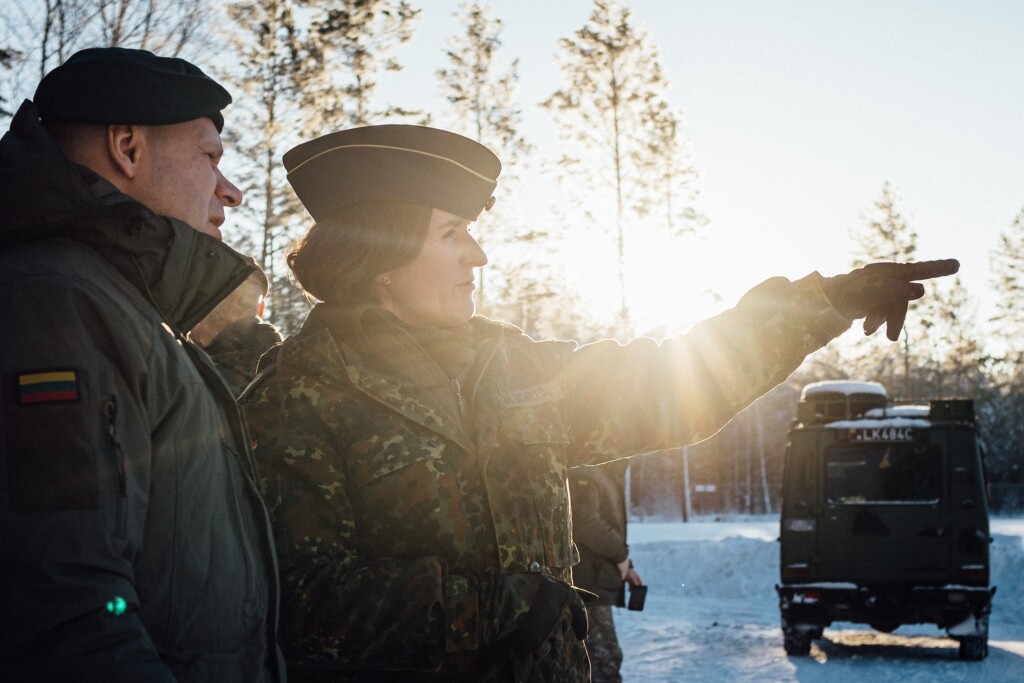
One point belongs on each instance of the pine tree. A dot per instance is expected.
(612, 118)
(483, 102)
(674, 177)
(1003, 411)
(263, 125)
(517, 283)
(1007, 262)
(955, 358)
(885, 235)
(350, 44)
(307, 67)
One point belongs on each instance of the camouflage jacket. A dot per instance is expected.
(387, 507)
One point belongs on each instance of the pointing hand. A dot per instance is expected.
(881, 292)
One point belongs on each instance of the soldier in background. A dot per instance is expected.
(234, 334)
(598, 500)
(416, 456)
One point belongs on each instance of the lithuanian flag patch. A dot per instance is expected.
(52, 386)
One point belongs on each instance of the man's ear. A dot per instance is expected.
(125, 145)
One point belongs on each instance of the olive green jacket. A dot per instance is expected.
(387, 508)
(134, 542)
(599, 529)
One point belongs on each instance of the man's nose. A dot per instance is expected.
(227, 192)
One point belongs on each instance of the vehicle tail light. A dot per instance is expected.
(974, 572)
(796, 571)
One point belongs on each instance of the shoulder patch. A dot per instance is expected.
(50, 386)
(535, 395)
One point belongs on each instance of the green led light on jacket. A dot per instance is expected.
(117, 606)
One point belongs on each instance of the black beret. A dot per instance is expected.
(414, 164)
(114, 85)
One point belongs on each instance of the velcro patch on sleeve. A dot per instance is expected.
(51, 386)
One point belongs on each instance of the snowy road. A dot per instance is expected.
(712, 615)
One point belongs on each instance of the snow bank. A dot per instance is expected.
(740, 561)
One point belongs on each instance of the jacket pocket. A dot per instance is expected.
(536, 425)
(401, 495)
(386, 454)
(538, 443)
(117, 463)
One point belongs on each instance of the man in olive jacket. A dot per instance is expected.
(135, 545)
(599, 531)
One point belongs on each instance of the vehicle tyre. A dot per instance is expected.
(884, 626)
(797, 642)
(973, 648)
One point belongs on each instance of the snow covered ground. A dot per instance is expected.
(712, 615)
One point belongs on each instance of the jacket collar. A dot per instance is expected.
(182, 272)
(320, 351)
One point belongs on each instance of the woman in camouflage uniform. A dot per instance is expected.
(415, 456)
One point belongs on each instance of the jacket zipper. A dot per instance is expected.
(110, 414)
(458, 399)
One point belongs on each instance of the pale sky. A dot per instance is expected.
(798, 111)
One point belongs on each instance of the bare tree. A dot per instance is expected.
(265, 121)
(10, 58)
(44, 33)
(166, 27)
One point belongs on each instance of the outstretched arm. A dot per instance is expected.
(646, 396)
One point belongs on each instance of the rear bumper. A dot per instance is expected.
(812, 605)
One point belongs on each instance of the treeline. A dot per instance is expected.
(622, 164)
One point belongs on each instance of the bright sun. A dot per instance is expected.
(671, 288)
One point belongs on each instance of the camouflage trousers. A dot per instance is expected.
(603, 645)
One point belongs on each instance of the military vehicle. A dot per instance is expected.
(884, 517)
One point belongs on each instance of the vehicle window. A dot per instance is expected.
(887, 473)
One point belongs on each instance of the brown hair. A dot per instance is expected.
(338, 259)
